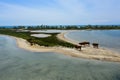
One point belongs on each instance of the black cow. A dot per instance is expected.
(85, 44)
(95, 45)
(78, 47)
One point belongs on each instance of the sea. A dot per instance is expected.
(20, 64)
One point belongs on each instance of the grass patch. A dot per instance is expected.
(48, 41)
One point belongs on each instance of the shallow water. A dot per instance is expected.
(19, 64)
(49, 31)
(106, 38)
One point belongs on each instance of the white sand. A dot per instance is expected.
(62, 37)
(40, 35)
(87, 53)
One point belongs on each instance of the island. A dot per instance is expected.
(57, 42)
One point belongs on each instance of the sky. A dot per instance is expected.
(59, 12)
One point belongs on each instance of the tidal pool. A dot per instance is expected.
(19, 64)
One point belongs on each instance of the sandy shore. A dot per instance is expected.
(87, 52)
(62, 37)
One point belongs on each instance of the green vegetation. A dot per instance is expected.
(70, 27)
(101, 27)
(66, 27)
(52, 40)
(49, 41)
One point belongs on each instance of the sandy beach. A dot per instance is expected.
(87, 52)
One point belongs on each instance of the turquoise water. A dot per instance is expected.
(106, 38)
(19, 64)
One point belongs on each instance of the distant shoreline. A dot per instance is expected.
(66, 27)
(87, 53)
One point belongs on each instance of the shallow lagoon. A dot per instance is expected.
(106, 38)
(48, 31)
(19, 64)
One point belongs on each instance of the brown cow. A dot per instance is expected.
(85, 44)
(95, 45)
(78, 47)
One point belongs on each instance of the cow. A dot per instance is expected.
(95, 45)
(78, 47)
(85, 44)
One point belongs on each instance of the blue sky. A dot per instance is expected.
(59, 12)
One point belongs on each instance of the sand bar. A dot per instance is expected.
(87, 52)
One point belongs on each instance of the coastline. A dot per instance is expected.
(87, 52)
(61, 36)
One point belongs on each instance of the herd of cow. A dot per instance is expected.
(84, 44)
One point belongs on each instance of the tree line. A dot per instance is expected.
(67, 27)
